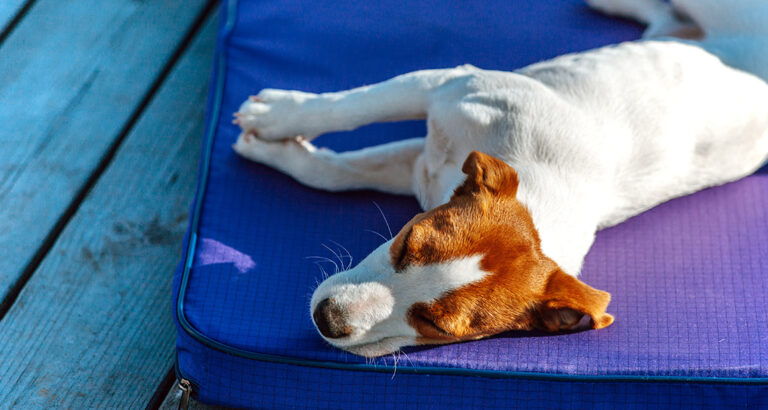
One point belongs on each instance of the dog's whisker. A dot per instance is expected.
(318, 257)
(349, 255)
(334, 254)
(343, 254)
(406, 356)
(323, 273)
(385, 219)
(380, 235)
(323, 258)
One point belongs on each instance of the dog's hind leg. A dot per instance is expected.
(281, 114)
(661, 18)
(388, 167)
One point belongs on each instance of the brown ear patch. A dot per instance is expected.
(488, 173)
(567, 300)
(404, 249)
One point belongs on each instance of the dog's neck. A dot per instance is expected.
(565, 219)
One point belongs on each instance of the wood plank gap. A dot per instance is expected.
(53, 234)
(14, 21)
(167, 385)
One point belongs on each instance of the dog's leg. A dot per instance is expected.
(662, 19)
(387, 167)
(280, 114)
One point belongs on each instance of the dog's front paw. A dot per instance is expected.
(284, 154)
(275, 114)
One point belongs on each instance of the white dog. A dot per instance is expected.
(571, 145)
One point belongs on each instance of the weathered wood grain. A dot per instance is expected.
(8, 10)
(93, 326)
(72, 75)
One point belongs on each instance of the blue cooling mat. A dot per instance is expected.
(688, 278)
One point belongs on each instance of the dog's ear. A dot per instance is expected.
(566, 300)
(406, 246)
(486, 173)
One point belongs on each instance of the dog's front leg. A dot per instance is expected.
(281, 114)
(387, 167)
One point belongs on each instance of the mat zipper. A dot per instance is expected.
(186, 390)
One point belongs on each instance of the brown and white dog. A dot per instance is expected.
(571, 145)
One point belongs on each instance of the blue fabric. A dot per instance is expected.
(687, 278)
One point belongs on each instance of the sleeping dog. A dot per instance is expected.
(520, 169)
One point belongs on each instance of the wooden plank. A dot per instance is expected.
(72, 76)
(8, 11)
(93, 326)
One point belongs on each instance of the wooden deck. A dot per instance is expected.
(101, 117)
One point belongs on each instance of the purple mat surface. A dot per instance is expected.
(689, 279)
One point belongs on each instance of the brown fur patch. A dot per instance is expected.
(524, 290)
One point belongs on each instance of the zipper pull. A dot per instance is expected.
(186, 390)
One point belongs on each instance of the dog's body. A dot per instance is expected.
(594, 138)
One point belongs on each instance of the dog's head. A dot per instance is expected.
(465, 270)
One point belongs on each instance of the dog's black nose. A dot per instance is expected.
(329, 319)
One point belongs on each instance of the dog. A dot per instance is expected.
(518, 170)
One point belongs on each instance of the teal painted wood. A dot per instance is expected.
(8, 10)
(72, 75)
(93, 327)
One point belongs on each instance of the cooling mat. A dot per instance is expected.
(689, 279)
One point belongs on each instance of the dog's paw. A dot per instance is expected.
(274, 114)
(283, 154)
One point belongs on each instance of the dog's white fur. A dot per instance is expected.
(595, 137)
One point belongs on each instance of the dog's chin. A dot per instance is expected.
(382, 347)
